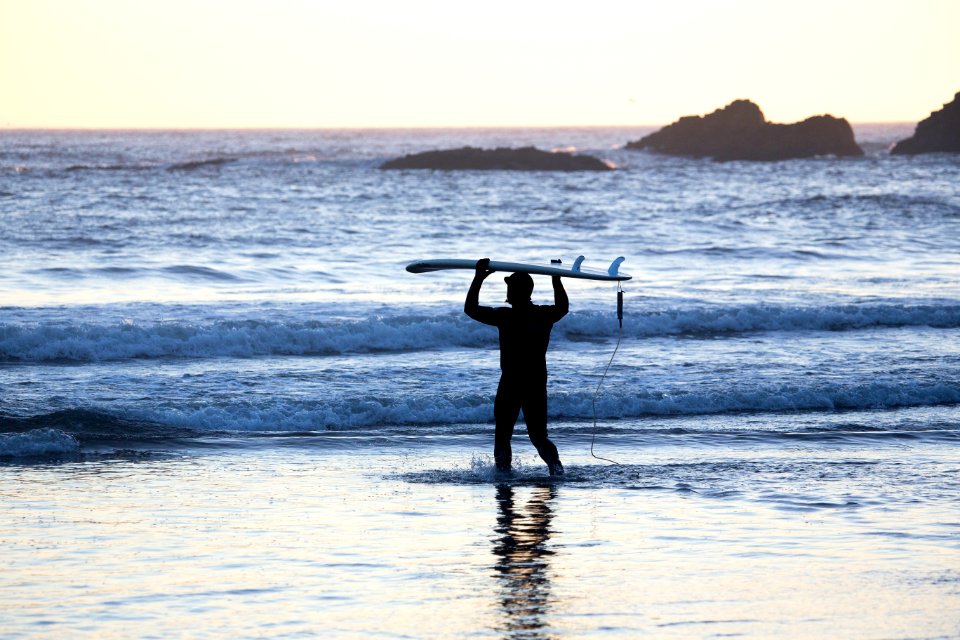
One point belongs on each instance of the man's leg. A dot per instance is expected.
(506, 409)
(535, 415)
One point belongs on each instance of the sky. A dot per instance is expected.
(450, 63)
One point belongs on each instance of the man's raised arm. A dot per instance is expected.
(471, 306)
(560, 299)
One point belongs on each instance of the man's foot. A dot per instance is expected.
(556, 469)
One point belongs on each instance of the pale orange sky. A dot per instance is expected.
(423, 63)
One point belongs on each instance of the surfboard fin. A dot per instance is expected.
(615, 266)
(576, 264)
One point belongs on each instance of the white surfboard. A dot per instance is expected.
(574, 270)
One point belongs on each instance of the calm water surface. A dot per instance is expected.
(310, 539)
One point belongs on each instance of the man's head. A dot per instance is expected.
(519, 288)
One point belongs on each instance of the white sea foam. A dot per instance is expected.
(345, 413)
(92, 342)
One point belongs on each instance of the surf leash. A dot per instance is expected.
(596, 393)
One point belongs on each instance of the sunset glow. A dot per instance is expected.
(111, 63)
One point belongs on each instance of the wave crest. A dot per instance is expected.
(368, 412)
(46, 441)
(92, 342)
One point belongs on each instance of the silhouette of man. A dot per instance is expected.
(524, 337)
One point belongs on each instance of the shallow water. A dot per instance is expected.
(388, 539)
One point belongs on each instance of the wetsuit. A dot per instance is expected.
(524, 338)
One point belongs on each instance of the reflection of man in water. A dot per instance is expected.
(523, 567)
(524, 337)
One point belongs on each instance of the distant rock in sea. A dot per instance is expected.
(739, 131)
(500, 159)
(938, 133)
(193, 165)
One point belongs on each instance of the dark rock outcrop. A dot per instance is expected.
(193, 165)
(938, 133)
(740, 132)
(501, 159)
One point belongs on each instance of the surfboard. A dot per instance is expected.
(574, 270)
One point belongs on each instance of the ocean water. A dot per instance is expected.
(227, 411)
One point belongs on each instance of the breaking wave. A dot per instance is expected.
(340, 412)
(94, 342)
(36, 443)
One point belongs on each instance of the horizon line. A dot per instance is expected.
(159, 129)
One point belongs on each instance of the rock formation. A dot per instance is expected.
(940, 132)
(501, 159)
(739, 131)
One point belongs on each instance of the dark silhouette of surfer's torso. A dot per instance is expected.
(524, 337)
